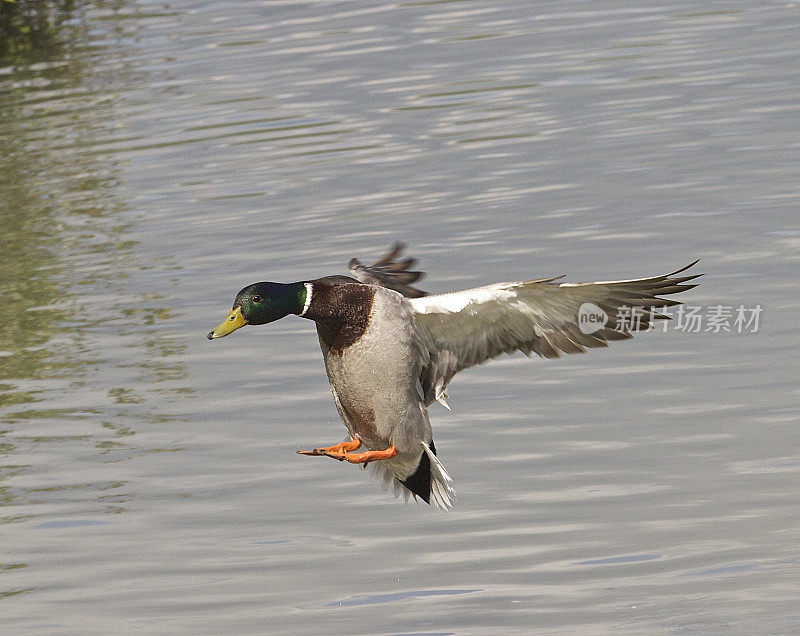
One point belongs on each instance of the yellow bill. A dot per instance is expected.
(229, 325)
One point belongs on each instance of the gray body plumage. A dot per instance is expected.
(374, 383)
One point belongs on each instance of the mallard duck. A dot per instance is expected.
(390, 349)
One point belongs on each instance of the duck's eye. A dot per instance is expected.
(256, 299)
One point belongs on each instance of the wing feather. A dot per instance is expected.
(461, 329)
(390, 271)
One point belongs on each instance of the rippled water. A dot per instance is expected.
(169, 154)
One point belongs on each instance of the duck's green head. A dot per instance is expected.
(260, 303)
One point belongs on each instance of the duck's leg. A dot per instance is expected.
(343, 447)
(365, 457)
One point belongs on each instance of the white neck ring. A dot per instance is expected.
(309, 293)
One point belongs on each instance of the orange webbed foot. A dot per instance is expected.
(343, 447)
(365, 457)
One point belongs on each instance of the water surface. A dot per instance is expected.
(167, 155)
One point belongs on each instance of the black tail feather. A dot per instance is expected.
(420, 482)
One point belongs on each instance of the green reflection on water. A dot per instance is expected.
(30, 29)
(70, 331)
(27, 315)
(34, 307)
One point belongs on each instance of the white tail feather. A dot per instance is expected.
(441, 484)
(442, 494)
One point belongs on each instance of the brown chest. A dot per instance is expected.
(341, 312)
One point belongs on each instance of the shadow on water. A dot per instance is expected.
(377, 599)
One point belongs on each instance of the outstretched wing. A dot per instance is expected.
(465, 328)
(391, 273)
